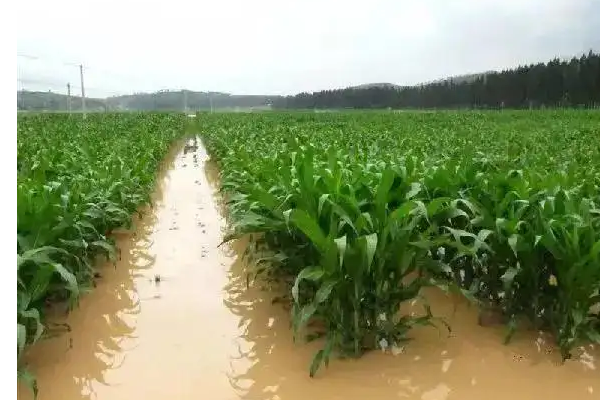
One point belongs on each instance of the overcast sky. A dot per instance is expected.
(284, 47)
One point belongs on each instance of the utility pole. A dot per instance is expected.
(185, 100)
(69, 97)
(211, 103)
(82, 90)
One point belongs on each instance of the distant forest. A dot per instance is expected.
(177, 100)
(557, 83)
(39, 101)
(167, 100)
(572, 83)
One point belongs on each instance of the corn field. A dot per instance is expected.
(77, 180)
(357, 212)
(352, 213)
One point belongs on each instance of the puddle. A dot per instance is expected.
(175, 320)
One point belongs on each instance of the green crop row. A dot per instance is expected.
(359, 211)
(77, 180)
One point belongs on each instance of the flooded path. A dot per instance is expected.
(174, 320)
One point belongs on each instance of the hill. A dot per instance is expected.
(566, 82)
(176, 100)
(466, 78)
(556, 83)
(163, 100)
(385, 85)
(49, 101)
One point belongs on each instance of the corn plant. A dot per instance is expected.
(77, 180)
(356, 212)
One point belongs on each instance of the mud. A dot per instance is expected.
(174, 320)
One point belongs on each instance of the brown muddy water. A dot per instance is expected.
(174, 320)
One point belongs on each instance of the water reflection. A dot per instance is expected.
(209, 336)
(258, 326)
(101, 329)
(470, 364)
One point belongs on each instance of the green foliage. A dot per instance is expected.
(359, 211)
(38, 101)
(556, 83)
(77, 180)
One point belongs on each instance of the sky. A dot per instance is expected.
(286, 47)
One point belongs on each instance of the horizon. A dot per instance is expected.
(373, 84)
(284, 49)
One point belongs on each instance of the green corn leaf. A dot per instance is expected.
(341, 244)
(402, 212)
(437, 204)
(324, 291)
(39, 284)
(511, 330)
(308, 273)
(474, 210)
(34, 314)
(368, 221)
(40, 255)
(369, 247)
(68, 278)
(382, 194)
(305, 315)
(509, 276)
(21, 337)
(78, 244)
(415, 189)
(309, 227)
(513, 242)
(385, 184)
(23, 300)
(595, 251)
(107, 247)
(87, 225)
(316, 362)
(322, 200)
(420, 209)
(483, 234)
(323, 355)
(593, 335)
(23, 242)
(457, 212)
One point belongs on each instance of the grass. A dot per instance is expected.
(359, 211)
(77, 180)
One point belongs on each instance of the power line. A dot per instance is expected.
(27, 56)
(94, 72)
(42, 82)
(33, 57)
(56, 85)
(75, 65)
(104, 83)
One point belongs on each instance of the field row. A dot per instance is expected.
(358, 211)
(77, 180)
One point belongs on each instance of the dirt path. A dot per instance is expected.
(175, 321)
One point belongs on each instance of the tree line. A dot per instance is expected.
(556, 83)
(49, 101)
(166, 100)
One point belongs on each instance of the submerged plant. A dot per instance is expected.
(358, 211)
(76, 181)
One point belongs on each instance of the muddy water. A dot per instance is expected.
(174, 320)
